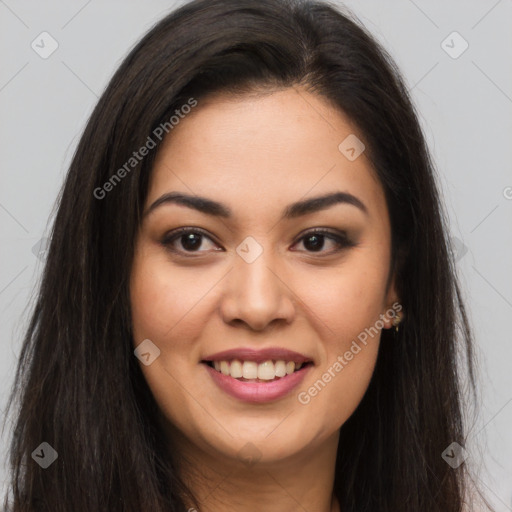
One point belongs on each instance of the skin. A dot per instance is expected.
(257, 154)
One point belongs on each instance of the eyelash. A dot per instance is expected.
(340, 238)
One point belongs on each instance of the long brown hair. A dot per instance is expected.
(79, 387)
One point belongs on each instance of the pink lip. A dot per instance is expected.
(258, 356)
(258, 392)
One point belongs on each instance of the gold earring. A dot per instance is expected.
(396, 321)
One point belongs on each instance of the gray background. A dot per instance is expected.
(465, 106)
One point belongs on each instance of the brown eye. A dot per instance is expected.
(186, 240)
(192, 241)
(315, 241)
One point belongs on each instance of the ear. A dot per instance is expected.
(394, 308)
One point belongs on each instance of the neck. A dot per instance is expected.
(303, 481)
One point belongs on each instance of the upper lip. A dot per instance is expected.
(259, 356)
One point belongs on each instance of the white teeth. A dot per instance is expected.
(224, 367)
(280, 368)
(250, 370)
(290, 367)
(236, 369)
(266, 371)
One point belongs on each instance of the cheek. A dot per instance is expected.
(345, 300)
(167, 307)
(345, 306)
(335, 395)
(165, 302)
(351, 343)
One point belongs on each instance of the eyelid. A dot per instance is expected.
(322, 231)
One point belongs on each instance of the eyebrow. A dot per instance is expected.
(294, 210)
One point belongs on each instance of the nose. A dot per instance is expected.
(256, 295)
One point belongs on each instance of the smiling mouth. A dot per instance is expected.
(250, 371)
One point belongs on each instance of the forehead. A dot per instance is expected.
(261, 151)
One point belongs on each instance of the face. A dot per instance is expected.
(267, 274)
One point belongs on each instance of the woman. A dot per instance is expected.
(249, 300)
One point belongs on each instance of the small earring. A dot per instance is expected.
(396, 321)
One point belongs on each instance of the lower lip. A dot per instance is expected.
(258, 392)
